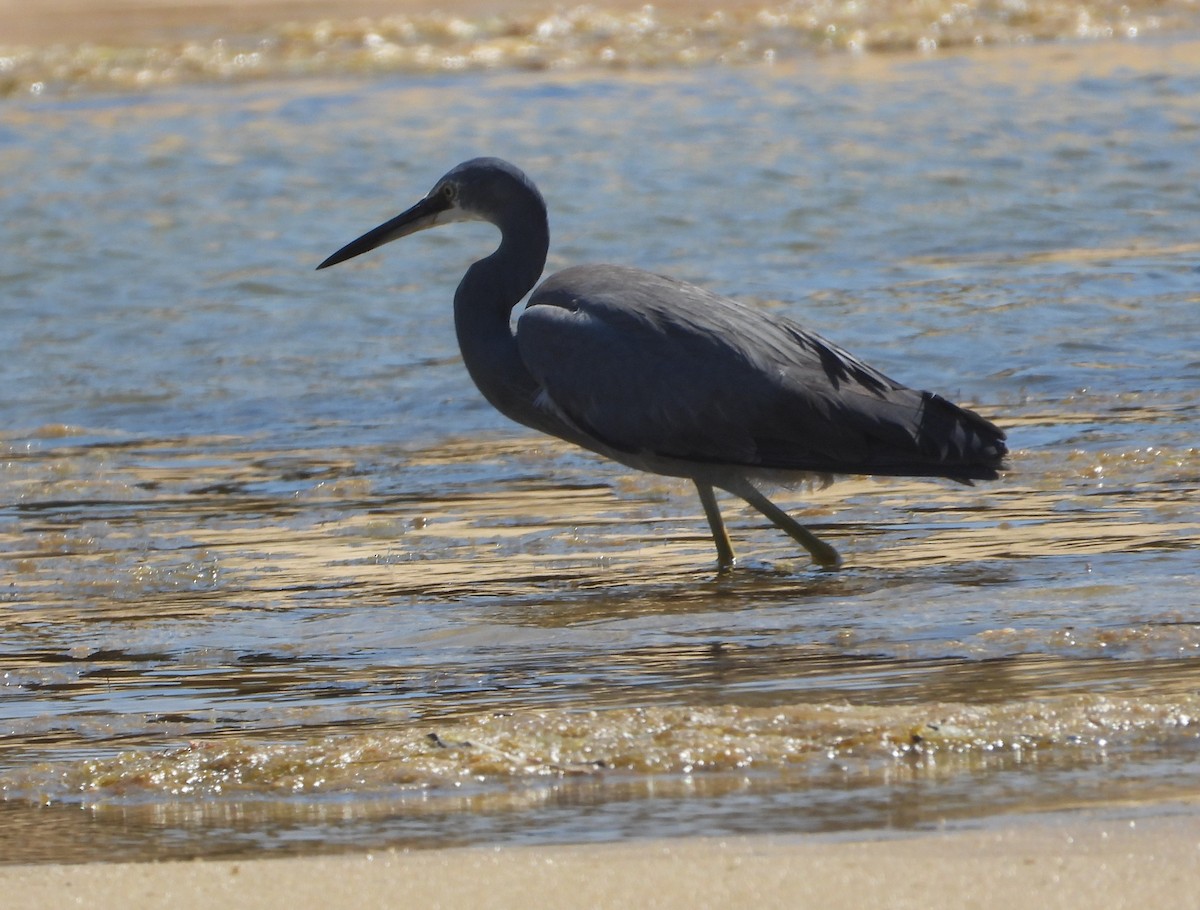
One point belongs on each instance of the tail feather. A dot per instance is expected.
(964, 445)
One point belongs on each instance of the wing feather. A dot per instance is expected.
(649, 365)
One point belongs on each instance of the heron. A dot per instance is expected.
(666, 377)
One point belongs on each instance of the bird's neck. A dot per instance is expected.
(483, 308)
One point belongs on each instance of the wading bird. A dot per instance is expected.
(666, 377)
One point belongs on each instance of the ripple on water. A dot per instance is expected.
(256, 597)
(533, 776)
(551, 642)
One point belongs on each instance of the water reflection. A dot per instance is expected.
(312, 639)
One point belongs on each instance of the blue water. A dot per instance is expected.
(242, 499)
(159, 249)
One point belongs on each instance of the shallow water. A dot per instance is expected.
(276, 578)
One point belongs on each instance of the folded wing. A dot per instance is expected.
(649, 365)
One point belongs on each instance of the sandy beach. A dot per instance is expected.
(1065, 860)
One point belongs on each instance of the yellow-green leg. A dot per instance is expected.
(712, 512)
(822, 552)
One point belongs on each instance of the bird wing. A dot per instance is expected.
(647, 364)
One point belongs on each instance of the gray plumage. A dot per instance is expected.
(666, 377)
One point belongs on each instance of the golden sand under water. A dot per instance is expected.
(201, 543)
(572, 37)
(499, 541)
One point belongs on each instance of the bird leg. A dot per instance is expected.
(822, 552)
(712, 512)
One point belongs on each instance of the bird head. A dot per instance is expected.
(482, 189)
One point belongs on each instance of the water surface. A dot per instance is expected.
(276, 578)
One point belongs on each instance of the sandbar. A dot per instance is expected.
(132, 22)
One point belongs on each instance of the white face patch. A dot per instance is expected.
(450, 216)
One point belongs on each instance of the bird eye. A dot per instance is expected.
(448, 192)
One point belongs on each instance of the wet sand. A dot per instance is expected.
(1062, 862)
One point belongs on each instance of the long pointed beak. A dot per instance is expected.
(425, 214)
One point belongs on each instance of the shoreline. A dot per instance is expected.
(1067, 860)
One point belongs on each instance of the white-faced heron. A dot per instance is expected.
(666, 377)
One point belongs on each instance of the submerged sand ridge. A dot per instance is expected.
(68, 47)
